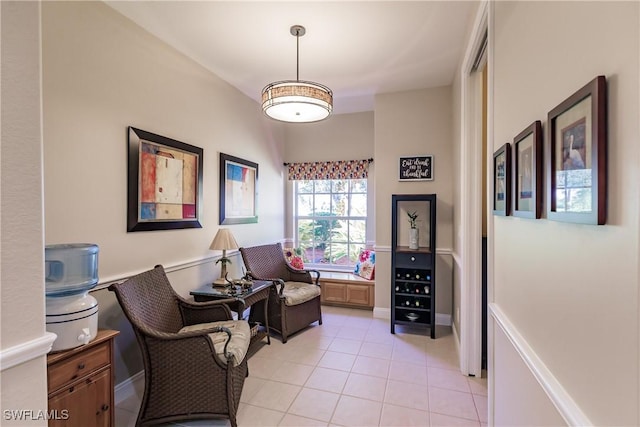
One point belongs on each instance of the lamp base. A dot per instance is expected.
(220, 282)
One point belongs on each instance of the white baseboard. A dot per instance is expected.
(132, 386)
(456, 339)
(381, 313)
(561, 399)
(443, 319)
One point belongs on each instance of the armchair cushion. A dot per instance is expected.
(298, 292)
(240, 337)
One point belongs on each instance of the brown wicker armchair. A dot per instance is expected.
(294, 303)
(194, 374)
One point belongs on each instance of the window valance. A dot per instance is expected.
(339, 169)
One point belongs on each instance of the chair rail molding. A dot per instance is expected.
(559, 397)
(25, 351)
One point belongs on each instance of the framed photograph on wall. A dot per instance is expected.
(164, 183)
(527, 172)
(238, 190)
(502, 180)
(577, 156)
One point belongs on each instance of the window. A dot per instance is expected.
(330, 220)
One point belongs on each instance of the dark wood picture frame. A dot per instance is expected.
(238, 190)
(164, 183)
(576, 156)
(501, 203)
(527, 172)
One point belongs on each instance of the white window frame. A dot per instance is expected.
(365, 218)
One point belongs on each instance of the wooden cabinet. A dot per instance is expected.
(80, 383)
(347, 290)
(413, 268)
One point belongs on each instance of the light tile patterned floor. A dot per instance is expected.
(352, 371)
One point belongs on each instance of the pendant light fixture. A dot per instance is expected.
(297, 101)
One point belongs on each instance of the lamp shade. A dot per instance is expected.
(297, 101)
(223, 241)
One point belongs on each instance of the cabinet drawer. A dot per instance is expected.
(334, 292)
(413, 260)
(358, 294)
(86, 403)
(76, 366)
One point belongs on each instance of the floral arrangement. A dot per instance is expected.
(412, 218)
(294, 257)
(366, 264)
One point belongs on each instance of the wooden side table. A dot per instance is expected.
(80, 383)
(258, 292)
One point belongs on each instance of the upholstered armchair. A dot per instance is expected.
(294, 303)
(193, 353)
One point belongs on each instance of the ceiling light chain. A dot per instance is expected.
(297, 101)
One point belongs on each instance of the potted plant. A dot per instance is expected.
(413, 232)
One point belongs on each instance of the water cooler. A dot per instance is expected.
(71, 270)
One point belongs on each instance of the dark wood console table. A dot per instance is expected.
(243, 300)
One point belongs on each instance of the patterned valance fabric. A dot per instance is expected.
(340, 169)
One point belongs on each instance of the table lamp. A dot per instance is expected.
(223, 241)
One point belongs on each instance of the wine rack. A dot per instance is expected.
(413, 270)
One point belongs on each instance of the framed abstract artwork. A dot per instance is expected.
(527, 172)
(502, 181)
(164, 184)
(577, 156)
(238, 190)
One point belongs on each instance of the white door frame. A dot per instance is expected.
(471, 200)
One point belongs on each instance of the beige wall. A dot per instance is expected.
(341, 137)
(103, 73)
(571, 291)
(24, 386)
(414, 123)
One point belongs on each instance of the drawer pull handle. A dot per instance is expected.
(105, 407)
(81, 365)
(413, 258)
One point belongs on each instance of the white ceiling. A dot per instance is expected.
(357, 48)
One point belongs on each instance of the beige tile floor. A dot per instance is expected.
(352, 371)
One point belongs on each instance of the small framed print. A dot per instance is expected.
(502, 180)
(577, 156)
(415, 168)
(238, 190)
(527, 172)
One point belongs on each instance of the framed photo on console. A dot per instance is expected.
(502, 180)
(527, 172)
(577, 156)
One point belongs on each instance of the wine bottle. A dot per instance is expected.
(426, 290)
(417, 303)
(397, 288)
(417, 276)
(407, 303)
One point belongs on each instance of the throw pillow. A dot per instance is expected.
(366, 265)
(294, 257)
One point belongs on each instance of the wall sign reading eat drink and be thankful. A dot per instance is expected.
(415, 168)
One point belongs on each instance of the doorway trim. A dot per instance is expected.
(471, 194)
